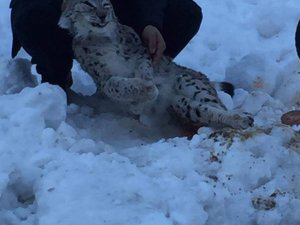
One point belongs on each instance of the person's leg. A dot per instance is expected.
(124, 12)
(34, 24)
(297, 39)
(182, 21)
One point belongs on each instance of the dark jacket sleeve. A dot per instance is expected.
(149, 12)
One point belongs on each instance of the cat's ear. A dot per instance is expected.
(64, 20)
(63, 5)
(115, 18)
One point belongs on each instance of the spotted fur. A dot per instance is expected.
(121, 67)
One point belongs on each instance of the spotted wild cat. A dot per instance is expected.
(121, 67)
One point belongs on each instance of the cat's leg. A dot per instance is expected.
(203, 113)
(132, 90)
(198, 90)
(144, 69)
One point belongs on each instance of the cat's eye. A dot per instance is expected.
(106, 6)
(88, 4)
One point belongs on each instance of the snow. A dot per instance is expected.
(75, 165)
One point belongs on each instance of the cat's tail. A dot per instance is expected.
(224, 86)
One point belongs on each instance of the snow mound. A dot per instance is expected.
(251, 73)
(18, 76)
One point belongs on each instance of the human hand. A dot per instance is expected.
(154, 42)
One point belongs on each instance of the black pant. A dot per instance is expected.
(297, 39)
(181, 22)
(34, 26)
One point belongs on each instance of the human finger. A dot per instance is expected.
(160, 48)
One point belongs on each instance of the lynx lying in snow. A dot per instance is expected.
(122, 69)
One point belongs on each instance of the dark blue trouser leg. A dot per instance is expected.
(181, 22)
(34, 25)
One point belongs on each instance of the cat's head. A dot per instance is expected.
(82, 17)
